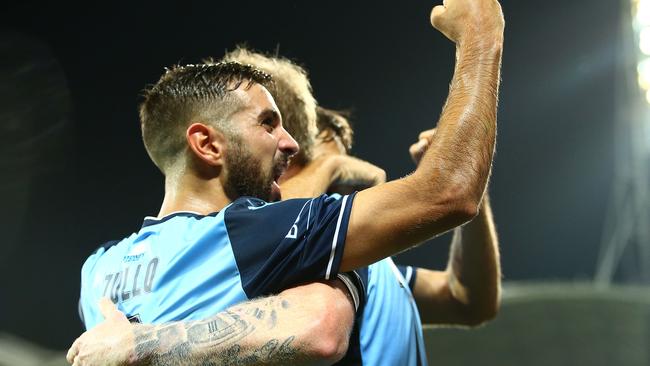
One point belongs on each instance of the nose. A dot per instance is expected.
(287, 144)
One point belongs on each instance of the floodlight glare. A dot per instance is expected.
(644, 40)
(642, 17)
(643, 68)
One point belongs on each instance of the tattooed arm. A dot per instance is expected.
(307, 324)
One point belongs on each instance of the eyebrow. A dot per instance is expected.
(271, 113)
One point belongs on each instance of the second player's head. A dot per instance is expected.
(334, 131)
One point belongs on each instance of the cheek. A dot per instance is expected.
(265, 153)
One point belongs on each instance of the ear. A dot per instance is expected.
(206, 143)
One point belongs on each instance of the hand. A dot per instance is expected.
(351, 174)
(110, 343)
(418, 149)
(457, 19)
(355, 174)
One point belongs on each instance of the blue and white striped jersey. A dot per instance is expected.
(187, 266)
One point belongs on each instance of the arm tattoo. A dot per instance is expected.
(218, 340)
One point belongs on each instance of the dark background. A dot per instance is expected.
(75, 174)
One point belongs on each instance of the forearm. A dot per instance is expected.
(474, 268)
(332, 172)
(228, 338)
(448, 184)
(312, 180)
(279, 330)
(459, 158)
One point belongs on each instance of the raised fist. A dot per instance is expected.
(460, 19)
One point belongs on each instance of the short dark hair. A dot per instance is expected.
(338, 123)
(190, 93)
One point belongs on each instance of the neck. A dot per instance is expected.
(191, 193)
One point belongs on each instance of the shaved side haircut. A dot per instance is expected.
(187, 94)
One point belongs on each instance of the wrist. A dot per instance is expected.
(483, 44)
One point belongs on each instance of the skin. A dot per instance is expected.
(468, 291)
(446, 189)
(316, 318)
(269, 331)
(258, 123)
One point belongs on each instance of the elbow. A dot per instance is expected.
(475, 308)
(331, 349)
(459, 209)
(333, 340)
(479, 313)
(477, 317)
(466, 210)
(465, 201)
(333, 319)
(460, 203)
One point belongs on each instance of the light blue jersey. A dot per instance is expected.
(388, 330)
(187, 266)
(391, 330)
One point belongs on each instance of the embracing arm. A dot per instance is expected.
(446, 189)
(332, 171)
(308, 324)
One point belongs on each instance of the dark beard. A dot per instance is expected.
(245, 176)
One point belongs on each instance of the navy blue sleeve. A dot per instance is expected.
(409, 274)
(279, 245)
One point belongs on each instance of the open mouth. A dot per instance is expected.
(278, 170)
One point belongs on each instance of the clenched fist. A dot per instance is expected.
(460, 19)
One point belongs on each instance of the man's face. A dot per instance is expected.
(258, 150)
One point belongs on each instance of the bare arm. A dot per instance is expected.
(447, 187)
(332, 171)
(307, 324)
(468, 292)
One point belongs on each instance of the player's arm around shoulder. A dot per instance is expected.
(304, 325)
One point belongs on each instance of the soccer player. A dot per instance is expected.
(390, 330)
(445, 190)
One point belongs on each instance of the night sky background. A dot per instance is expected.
(75, 173)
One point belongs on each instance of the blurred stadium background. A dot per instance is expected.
(570, 185)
